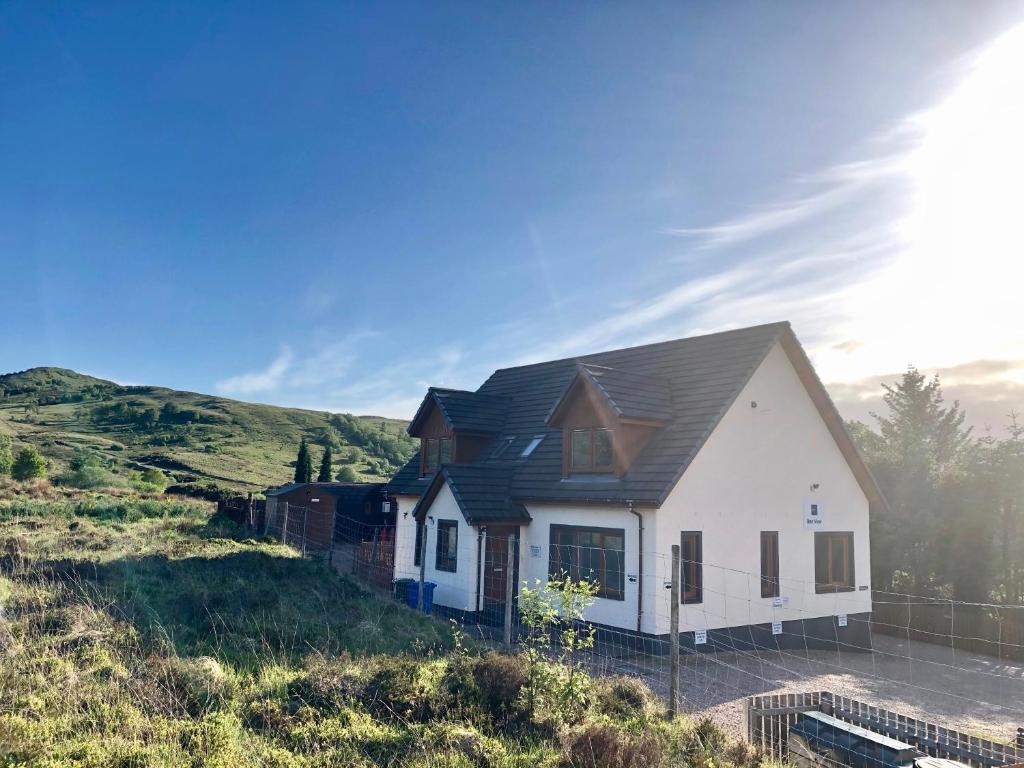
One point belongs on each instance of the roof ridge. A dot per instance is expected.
(780, 324)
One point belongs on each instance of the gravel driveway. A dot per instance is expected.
(970, 692)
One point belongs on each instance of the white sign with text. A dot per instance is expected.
(700, 637)
(814, 516)
(776, 627)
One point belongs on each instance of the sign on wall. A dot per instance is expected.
(814, 516)
(776, 627)
(842, 620)
(700, 637)
(535, 550)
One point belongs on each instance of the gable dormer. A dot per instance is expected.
(607, 416)
(454, 425)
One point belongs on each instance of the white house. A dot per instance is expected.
(726, 444)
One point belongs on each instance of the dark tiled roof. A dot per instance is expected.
(631, 395)
(481, 491)
(703, 376)
(464, 411)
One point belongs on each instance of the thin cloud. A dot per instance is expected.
(267, 380)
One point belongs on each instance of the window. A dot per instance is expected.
(769, 563)
(417, 556)
(447, 545)
(590, 554)
(503, 446)
(436, 451)
(833, 562)
(590, 450)
(691, 563)
(532, 446)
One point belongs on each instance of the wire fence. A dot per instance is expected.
(704, 636)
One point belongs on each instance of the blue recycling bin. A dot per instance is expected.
(412, 595)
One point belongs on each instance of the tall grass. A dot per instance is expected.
(169, 638)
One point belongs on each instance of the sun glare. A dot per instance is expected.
(955, 292)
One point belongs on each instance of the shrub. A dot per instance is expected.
(500, 680)
(328, 684)
(604, 745)
(195, 686)
(6, 458)
(624, 698)
(456, 739)
(28, 464)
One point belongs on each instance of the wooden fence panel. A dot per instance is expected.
(769, 717)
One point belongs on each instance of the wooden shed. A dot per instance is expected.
(313, 516)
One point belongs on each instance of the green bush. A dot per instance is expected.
(6, 457)
(625, 698)
(28, 464)
(500, 680)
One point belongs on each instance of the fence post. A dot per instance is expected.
(423, 565)
(673, 629)
(305, 517)
(509, 585)
(284, 525)
(249, 509)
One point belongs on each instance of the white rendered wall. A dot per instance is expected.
(458, 589)
(405, 539)
(755, 474)
(535, 548)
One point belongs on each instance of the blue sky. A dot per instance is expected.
(332, 206)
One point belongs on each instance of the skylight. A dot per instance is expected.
(533, 444)
(503, 446)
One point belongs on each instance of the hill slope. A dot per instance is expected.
(195, 437)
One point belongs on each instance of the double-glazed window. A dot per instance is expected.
(590, 450)
(597, 555)
(436, 451)
(447, 545)
(691, 563)
(833, 562)
(769, 563)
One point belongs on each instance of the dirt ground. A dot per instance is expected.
(970, 692)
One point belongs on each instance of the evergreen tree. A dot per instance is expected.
(919, 457)
(303, 464)
(28, 464)
(325, 466)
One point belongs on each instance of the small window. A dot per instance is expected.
(590, 450)
(692, 566)
(447, 545)
(769, 563)
(833, 562)
(417, 557)
(597, 555)
(532, 446)
(436, 451)
(503, 446)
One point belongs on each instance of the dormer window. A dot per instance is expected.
(436, 451)
(591, 450)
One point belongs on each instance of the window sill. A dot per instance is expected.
(819, 590)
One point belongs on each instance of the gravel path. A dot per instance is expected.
(970, 692)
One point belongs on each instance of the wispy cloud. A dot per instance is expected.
(268, 379)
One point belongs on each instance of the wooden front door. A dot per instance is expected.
(495, 562)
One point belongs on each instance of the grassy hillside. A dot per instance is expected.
(139, 632)
(197, 438)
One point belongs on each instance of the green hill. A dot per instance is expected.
(195, 438)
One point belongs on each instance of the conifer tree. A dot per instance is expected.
(303, 464)
(325, 466)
